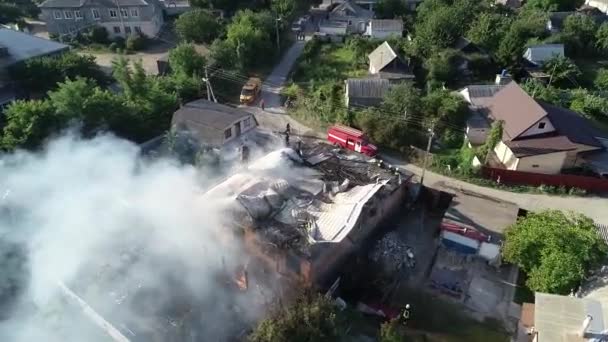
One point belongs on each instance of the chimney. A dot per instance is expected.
(585, 326)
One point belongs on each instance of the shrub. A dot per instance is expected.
(99, 35)
(113, 46)
(135, 42)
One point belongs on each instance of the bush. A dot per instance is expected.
(99, 35)
(113, 46)
(135, 42)
(120, 42)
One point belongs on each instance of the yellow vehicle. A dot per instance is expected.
(251, 90)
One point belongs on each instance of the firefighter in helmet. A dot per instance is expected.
(405, 315)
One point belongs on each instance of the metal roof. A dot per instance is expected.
(350, 9)
(100, 3)
(382, 56)
(538, 54)
(22, 46)
(367, 87)
(390, 25)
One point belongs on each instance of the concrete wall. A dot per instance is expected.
(550, 163)
(506, 156)
(534, 130)
(244, 128)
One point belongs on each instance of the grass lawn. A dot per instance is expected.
(331, 63)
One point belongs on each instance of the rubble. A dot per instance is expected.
(393, 253)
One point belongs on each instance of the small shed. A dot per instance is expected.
(539, 54)
(365, 91)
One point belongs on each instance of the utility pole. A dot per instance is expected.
(206, 80)
(426, 154)
(278, 38)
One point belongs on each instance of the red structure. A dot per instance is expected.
(464, 230)
(510, 177)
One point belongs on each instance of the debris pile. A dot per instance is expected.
(393, 253)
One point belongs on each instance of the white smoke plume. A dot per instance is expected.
(133, 238)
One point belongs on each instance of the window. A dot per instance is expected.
(78, 15)
(96, 15)
(137, 29)
(57, 14)
(113, 13)
(116, 29)
(68, 14)
(541, 125)
(134, 12)
(124, 12)
(128, 29)
(247, 122)
(534, 165)
(228, 133)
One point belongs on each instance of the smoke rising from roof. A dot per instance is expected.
(136, 240)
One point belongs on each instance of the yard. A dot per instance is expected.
(328, 63)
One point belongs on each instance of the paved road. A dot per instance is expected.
(594, 207)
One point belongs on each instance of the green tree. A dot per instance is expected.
(250, 35)
(601, 38)
(39, 75)
(562, 70)
(184, 59)
(601, 79)
(403, 98)
(389, 9)
(494, 137)
(588, 104)
(283, 8)
(223, 54)
(554, 5)
(488, 30)
(441, 67)
(529, 24)
(556, 249)
(197, 26)
(579, 35)
(29, 123)
(391, 331)
(438, 31)
(312, 318)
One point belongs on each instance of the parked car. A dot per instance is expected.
(251, 90)
(352, 139)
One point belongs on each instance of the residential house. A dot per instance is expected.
(334, 31)
(386, 63)
(354, 15)
(536, 55)
(17, 47)
(384, 28)
(510, 3)
(365, 92)
(601, 5)
(368, 4)
(539, 137)
(557, 318)
(212, 124)
(120, 18)
(556, 20)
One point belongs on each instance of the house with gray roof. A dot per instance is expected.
(478, 97)
(556, 20)
(17, 47)
(539, 54)
(365, 92)
(384, 28)
(120, 18)
(601, 5)
(355, 16)
(386, 63)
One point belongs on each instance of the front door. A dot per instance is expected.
(237, 129)
(358, 146)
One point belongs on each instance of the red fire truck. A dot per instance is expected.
(352, 139)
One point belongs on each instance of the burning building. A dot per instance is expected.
(302, 214)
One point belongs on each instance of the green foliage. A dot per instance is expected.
(28, 124)
(389, 9)
(13, 11)
(589, 104)
(98, 34)
(223, 54)
(135, 42)
(184, 59)
(441, 67)
(391, 331)
(197, 26)
(465, 159)
(601, 80)
(312, 318)
(43, 74)
(579, 35)
(403, 98)
(488, 30)
(529, 24)
(554, 5)
(556, 249)
(292, 91)
(283, 8)
(562, 70)
(250, 35)
(494, 137)
(185, 87)
(361, 47)
(601, 38)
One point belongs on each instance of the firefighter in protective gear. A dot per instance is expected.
(405, 315)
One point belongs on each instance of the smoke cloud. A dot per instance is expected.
(134, 239)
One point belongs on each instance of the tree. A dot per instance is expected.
(250, 36)
(601, 79)
(556, 249)
(29, 123)
(43, 74)
(438, 31)
(588, 104)
(197, 26)
(494, 137)
(601, 38)
(488, 30)
(579, 35)
(391, 331)
(223, 54)
(184, 59)
(312, 318)
(554, 5)
(389, 9)
(562, 70)
(283, 8)
(403, 99)
(441, 67)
